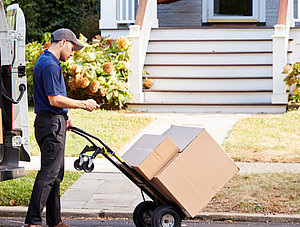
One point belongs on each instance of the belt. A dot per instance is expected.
(50, 114)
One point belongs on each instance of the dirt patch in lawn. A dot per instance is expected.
(277, 193)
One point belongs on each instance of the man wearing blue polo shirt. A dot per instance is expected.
(51, 107)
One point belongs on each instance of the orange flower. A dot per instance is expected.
(124, 65)
(122, 42)
(108, 67)
(93, 87)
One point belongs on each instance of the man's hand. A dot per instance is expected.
(90, 105)
(69, 124)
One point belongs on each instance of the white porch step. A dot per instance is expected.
(205, 108)
(209, 58)
(209, 45)
(208, 97)
(209, 71)
(208, 84)
(210, 33)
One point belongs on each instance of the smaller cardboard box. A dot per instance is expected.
(150, 154)
(195, 175)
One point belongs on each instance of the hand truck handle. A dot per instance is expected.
(87, 135)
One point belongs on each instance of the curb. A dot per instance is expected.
(204, 216)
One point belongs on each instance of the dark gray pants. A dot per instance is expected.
(50, 133)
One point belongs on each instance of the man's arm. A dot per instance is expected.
(65, 102)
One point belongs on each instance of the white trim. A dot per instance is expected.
(262, 11)
(259, 12)
(108, 14)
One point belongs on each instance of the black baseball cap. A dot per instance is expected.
(68, 35)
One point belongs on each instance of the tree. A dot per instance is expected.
(48, 15)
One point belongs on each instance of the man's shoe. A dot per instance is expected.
(61, 224)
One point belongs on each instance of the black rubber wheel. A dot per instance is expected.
(77, 166)
(86, 167)
(166, 216)
(143, 213)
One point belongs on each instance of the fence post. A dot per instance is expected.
(279, 61)
(108, 14)
(135, 79)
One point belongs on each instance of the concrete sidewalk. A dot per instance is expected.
(107, 192)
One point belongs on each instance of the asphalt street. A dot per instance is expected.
(18, 222)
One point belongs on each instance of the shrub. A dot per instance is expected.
(98, 71)
(293, 79)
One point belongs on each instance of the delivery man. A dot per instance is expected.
(51, 107)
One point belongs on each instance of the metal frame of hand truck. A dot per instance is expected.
(134, 176)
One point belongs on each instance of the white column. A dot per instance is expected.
(279, 61)
(136, 64)
(155, 23)
(108, 14)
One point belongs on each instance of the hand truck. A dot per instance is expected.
(160, 212)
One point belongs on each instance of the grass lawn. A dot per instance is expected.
(114, 128)
(259, 193)
(19, 190)
(266, 138)
(255, 193)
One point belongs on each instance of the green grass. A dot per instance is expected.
(259, 193)
(19, 190)
(266, 138)
(253, 193)
(114, 128)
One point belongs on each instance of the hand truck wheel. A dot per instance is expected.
(143, 213)
(166, 216)
(87, 166)
(77, 165)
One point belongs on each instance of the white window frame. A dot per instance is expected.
(258, 12)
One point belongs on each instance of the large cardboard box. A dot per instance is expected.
(195, 175)
(150, 154)
(182, 136)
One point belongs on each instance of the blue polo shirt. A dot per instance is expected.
(48, 80)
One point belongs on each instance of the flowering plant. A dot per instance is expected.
(98, 71)
(293, 78)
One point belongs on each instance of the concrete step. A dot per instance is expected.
(190, 83)
(209, 71)
(205, 108)
(209, 58)
(209, 45)
(208, 97)
(210, 33)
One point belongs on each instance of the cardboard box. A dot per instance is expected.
(182, 136)
(150, 154)
(193, 177)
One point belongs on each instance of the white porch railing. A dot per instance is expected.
(126, 11)
(139, 35)
(286, 20)
(115, 12)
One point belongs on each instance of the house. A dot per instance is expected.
(207, 55)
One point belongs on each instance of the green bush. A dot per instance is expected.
(99, 71)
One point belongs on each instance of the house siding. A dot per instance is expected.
(188, 13)
(182, 13)
(271, 12)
